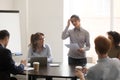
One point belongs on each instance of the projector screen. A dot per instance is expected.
(9, 20)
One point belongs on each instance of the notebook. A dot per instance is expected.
(41, 60)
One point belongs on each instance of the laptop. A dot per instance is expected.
(41, 60)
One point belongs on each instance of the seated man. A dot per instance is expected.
(7, 65)
(106, 68)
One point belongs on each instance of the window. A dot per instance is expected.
(97, 17)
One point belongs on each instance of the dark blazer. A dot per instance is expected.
(7, 65)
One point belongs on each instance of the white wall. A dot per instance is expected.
(47, 16)
(39, 16)
(21, 6)
(6, 4)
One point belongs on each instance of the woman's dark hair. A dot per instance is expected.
(75, 16)
(116, 37)
(3, 34)
(33, 40)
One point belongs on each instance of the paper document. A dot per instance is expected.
(28, 68)
(72, 46)
(54, 64)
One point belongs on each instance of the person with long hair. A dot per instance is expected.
(37, 47)
(79, 36)
(114, 51)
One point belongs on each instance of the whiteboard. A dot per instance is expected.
(9, 20)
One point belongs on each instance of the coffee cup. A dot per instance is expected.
(79, 67)
(36, 66)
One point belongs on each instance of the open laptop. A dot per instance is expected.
(41, 60)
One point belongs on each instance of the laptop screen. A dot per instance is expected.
(41, 60)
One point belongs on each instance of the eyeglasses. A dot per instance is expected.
(42, 38)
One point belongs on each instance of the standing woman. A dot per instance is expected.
(79, 36)
(37, 48)
(114, 52)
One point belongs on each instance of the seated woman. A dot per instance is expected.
(37, 48)
(114, 51)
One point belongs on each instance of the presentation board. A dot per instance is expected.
(9, 20)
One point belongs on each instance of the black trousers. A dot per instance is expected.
(80, 62)
(77, 62)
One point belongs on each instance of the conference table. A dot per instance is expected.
(60, 71)
(49, 72)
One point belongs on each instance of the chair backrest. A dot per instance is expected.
(41, 60)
